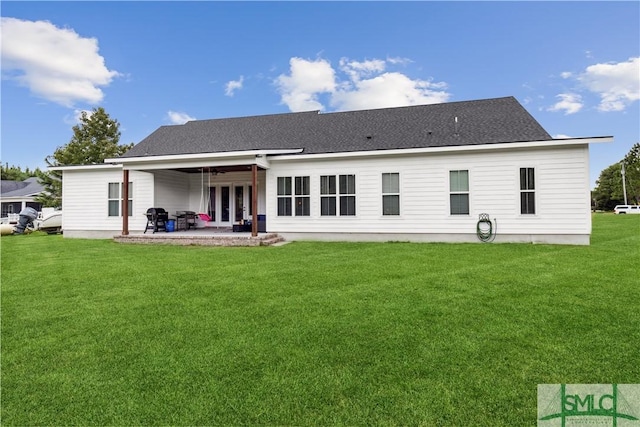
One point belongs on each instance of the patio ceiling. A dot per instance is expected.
(215, 169)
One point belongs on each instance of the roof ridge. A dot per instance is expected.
(423, 105)
(290, 113)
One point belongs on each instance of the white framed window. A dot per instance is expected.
(328, 194)
(527, 191)
(284, 196)
(337, 195)
(459, 192)
(303, 195)
(294, 189)
(347, 194)
(114, 198)
(391, 193)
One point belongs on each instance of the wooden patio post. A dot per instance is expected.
(254, 200)
(125, 202)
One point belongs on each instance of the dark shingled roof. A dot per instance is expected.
(28, 187)
(486, 121)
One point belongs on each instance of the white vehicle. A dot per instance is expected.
(627, 209)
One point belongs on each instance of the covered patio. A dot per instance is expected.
(229, 187)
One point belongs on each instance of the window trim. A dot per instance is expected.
(385, 195)
(291, 194)
(466, 192)
(338, 193)
(284, 196)
(330, 193)
(347, 195)
(302, 194)
(529, 191)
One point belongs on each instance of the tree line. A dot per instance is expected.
(96, 137)
(15, 173)
(616, 180)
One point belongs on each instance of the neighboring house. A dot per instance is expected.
(419, 173)
(17, 195)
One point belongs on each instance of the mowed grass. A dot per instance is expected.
(307, 334)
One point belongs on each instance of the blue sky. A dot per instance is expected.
(575, 66)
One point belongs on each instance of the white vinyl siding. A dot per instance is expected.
(561, 175)
(88, 211)
(562, 193)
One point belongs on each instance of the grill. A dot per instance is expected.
(156, 219)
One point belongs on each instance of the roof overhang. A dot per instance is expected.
(186, 161)
(84, 167)
(551, 143)
(18, 198)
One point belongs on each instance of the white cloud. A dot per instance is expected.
(307, 80)
(617, 84)
(56, 64)
(570, 103)
(178, 118)
(561, 136)
(366, 84)
(388, 90)
(356, 70)
(398, 60)
(233, 85)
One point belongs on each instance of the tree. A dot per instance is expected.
(94, 139)
(609, 189)
(632, 173)
(15, 173)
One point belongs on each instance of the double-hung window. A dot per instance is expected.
(114, 196)
(303, 196)
(527, 191)
(390, 194)
(347, 191)
(337, 195)
(459, 192)
(328, 193)
(284, 196)
(294, 189)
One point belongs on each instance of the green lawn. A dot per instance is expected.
(100, 333)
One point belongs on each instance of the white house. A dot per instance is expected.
(17, 195)
(418, 173)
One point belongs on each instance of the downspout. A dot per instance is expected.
(125, 202)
